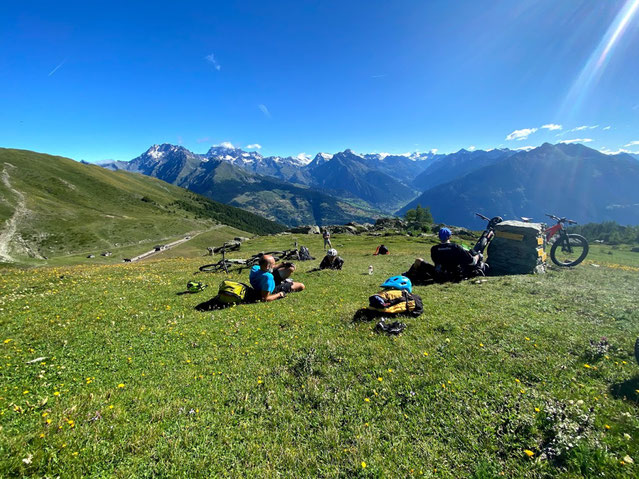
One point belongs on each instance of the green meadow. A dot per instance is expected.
(106, 371)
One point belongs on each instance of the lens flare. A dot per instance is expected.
(597, 61)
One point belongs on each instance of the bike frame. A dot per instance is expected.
(553, 230)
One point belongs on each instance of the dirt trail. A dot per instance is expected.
(11, 225)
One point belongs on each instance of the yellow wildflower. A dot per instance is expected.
(529, 453)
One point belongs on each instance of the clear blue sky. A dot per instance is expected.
(105, 80)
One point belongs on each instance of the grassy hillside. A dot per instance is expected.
(131, 381)
(52, 206)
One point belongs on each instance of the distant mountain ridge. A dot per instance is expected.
(347, 186)
(569, 180)
(217, 175)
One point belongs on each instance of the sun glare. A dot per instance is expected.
(597, 61)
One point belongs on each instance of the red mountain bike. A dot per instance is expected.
(567, 249)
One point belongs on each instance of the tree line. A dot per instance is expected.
(609, 232)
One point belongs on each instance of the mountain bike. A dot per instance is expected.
(486, 235)
(226, 264)
(568, 249)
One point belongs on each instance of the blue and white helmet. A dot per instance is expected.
(398, 282)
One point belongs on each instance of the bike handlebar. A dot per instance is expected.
(562, 220)
(486, 218)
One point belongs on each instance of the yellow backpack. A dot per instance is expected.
(232, 292)
(394, 301)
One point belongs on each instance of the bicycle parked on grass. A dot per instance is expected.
(226, 264)
(568, 249)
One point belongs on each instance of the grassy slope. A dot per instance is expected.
(74, 207)
(296, 389)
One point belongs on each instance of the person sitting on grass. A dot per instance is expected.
(331, 260)
(272, 281)
(452, 263)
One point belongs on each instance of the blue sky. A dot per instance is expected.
(105, 80)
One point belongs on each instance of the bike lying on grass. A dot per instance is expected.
(568, 249)
(226, 264)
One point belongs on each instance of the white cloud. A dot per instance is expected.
(620, 150)
(585, 127)
(525, 148)
(606, 127)
(521, 134)
(264, 110)
(254, 146)
(552, 126)
(433, 151)
(303, 157)
(632, 143)
(577, 140)
(472, 148)
(211, 59)
(226, 144)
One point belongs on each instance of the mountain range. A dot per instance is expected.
(347, 186)
(568, 180)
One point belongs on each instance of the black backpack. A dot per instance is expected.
(305, 254)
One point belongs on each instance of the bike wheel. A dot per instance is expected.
(569, 250)
(208, 268)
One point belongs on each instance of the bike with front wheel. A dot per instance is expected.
(568, 249)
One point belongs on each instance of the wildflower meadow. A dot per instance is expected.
(109, 371)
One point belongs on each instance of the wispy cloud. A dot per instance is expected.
(552, 126)
(264, 110)
(525, 148)
(521, 134)
(213, 61)
(585, 127)
(620, 150)
(254, 146)
(58, 67)
(606, 127)
(472, 148)
(226, 144)
(378, 76)
(577, 140)
(632, 143)
(433, 151)
(206, 139)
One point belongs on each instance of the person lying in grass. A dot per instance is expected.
(331, 260)
(272, 281)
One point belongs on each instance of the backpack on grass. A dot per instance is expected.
(381, 249)
(232, 292)
(396, 302)
(304, 254)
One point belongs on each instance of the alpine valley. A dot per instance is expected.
(566, 179)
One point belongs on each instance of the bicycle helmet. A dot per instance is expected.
(444, 234)
(398, 282)
(332, 252)
(195, 286)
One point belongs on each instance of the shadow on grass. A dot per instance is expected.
(626, 390)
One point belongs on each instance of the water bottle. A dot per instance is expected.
(370, 269)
